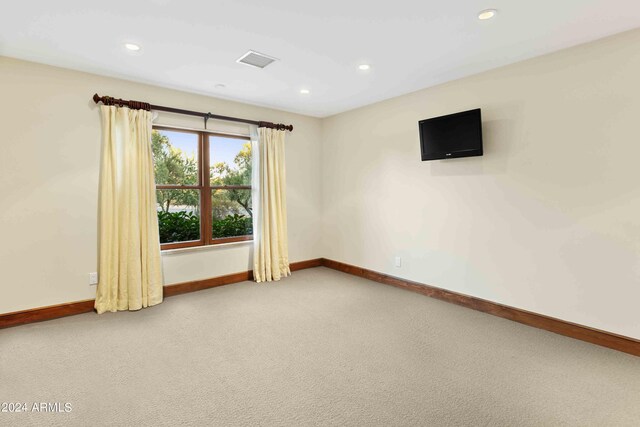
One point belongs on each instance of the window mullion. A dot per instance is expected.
(206, 188)
(231, 187)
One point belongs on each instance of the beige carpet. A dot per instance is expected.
(319, 348)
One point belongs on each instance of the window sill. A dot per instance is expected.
(204, 248)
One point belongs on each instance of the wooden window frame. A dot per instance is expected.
(205, 188)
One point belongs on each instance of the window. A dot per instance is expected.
(203, 187)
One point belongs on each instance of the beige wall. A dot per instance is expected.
(547, 220)
(49, 164)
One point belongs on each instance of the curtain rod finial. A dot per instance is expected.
(96, 98)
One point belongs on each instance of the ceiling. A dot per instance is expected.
(410, 44)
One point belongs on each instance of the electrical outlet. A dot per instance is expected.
(93, 279)
(398, 262)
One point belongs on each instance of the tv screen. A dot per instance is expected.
(454, 135)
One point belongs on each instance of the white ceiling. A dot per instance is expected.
(410, 44)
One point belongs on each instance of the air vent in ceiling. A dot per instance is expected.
(256, 59)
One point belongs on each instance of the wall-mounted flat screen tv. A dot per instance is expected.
(454, 135)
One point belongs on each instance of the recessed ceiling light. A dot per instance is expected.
(305, 91)
(487, 14)
(132, 47)
(220, 86)
(364, 67)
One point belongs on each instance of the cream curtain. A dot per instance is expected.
(270, 243)
(130, 275)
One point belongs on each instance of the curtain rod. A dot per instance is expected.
(108, 100)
